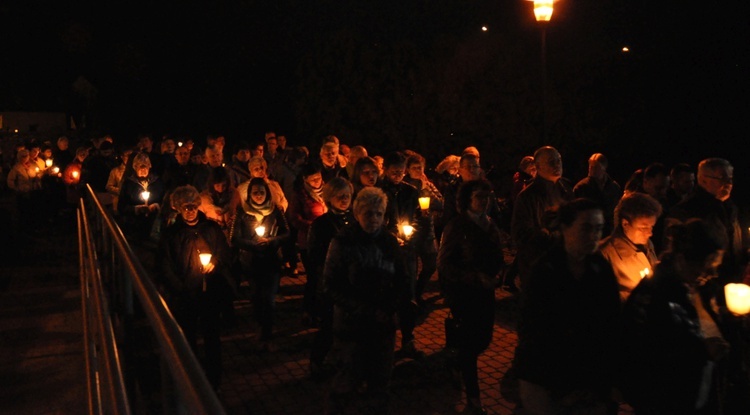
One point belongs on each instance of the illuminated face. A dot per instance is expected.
(480, 200)
(416, 171)
(243, 155)
(370, 218)
(640, 229)
(258, 194)
(329, 156)
(141, 171)
(215, 158)
(220, 187)
(549, 165)
(182, 155)
(34, 152)
(582, 237)
(189, 212)
(47, 154)
(718, 182)
(469, 169)
(369, 176)
(168, 146)
(342, 200)
(272, 145)
(257, 170)
(684, 183)
(257, 151)
(395, 173)
(656, 186)
(281, 141)
(314, 180)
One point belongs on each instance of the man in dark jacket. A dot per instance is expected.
(195, 260)
(711, 201)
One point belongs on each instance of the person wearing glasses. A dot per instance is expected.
(711, 201)
(629, 249)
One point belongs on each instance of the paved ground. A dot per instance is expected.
(279, 383)
(41, 358)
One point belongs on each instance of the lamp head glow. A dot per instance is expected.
(738, 298)
(145, 195)
(205, 259)
(543, 10)
(260, 230)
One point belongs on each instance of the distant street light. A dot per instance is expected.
(543, 14)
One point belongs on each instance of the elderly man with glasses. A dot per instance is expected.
(711, 201)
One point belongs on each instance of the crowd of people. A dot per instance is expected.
(620, 288)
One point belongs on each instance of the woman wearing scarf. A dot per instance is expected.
(307, 205)
(140, 198)
(259, 230)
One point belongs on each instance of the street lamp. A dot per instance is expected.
(543, 14)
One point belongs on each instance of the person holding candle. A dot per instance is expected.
(629, 249)
(194, 263)
(431, 204)
(401, 215)
(24, 181)
(140, 200)
(469, 261)
(672, 339)
(259, 230)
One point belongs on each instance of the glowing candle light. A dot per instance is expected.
(205, 259)
(738, 298)
(48, 162)
(179, 144)
(408, 230)
(55, 170)
(145, 195)
(424, 202)
(260, 230)
(75, 174)
(645, 272)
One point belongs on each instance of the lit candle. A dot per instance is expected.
(145, 195)
(75, 174)
(408, 229)
(645, 272)
(260, 230)
(424, 202)
(55, 170)
(48, 162)
(738, 298)
(205, 259)
(179, 144)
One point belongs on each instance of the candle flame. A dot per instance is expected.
(205, 259)
(408, 230)
(738, 298)
(145, 195)
(260, 230)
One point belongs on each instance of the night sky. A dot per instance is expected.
(394, 73)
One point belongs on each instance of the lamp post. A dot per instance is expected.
(543, 14)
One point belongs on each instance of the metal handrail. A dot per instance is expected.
(192, 388)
